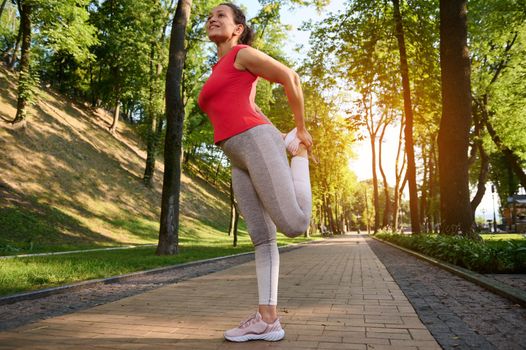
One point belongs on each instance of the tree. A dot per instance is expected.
(125, 32)
(408, 113)
(9, 28)
(400, 179)
(363, 59)
(25, 85)
(72, 35)
(386, 217)
(453, 136)
(159, 16)
(234, 216)
(169, 228)
(497, 30)
(2, 7)
(359, 48)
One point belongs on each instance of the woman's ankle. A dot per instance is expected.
(302, 151)
(268, 313)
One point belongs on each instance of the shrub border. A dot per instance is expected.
(514, 294)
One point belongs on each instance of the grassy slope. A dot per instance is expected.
(66, 182)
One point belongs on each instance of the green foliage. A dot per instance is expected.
(8, 27)
(28, 85)
(357, 49)
(508, 256)
(334, 185)
(497, 30)
(62, 26)
(123, 50)
(502, 176)
(509, 100)
(358, 46)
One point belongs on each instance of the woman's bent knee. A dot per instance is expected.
(297, 228)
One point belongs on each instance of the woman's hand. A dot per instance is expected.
(303, 135)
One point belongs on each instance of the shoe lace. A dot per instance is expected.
(250, 319)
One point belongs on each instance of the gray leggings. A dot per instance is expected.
(269, 193)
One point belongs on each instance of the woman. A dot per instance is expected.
(269, 192)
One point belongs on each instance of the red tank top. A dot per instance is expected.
(228, 97)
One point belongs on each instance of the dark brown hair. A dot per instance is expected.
(247, 36)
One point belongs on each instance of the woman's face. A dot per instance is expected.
(221, 26)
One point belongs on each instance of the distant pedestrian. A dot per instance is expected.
(269, 191)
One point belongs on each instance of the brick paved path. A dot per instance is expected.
(333, 295)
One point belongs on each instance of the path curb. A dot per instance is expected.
(91, 283)
(514, 294)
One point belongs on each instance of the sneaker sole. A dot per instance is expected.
(272, 336)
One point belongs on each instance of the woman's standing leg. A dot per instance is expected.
(263, 325)
(263, 235)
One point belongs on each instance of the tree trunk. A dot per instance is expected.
(431, 208)
(24, 80)
(2, 7)
(151, 152)
(423, 191)
(396, 207)
(169, 230)
(12, 60)
(115, 121)
(484, 159)
(482, 178)
(367, 213)
(159, 130)
(330, 215)
(232, 208)
(218, 167)
(408, 113)
(337, 214)
(376, 200)
(236, 221)
(91, 85)
(404, 183)
(387, 207)
(99, 82)
(151, 116)
(398, 176)
(234, 216)
(331, 218)
(453, 135)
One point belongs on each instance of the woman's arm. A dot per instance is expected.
(260, 64)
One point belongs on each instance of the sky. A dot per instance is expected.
(361, 165)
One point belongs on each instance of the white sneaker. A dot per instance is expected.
(292, 143)
(254, 328)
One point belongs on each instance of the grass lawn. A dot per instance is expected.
(503, 236)
(197, 242)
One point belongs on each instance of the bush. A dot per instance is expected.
(484, 256)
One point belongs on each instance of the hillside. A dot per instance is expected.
(67, 182)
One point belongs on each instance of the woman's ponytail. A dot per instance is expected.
(247, 36)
